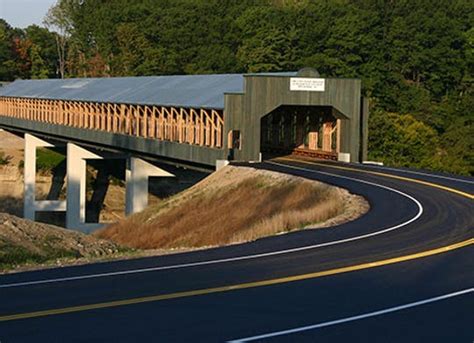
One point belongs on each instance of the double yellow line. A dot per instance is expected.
(270, 282)
(236, 286)
(391, 176)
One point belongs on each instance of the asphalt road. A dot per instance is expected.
(404, 272)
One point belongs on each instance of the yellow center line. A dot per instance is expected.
(262, 283)
(234, 287)
(397, 177)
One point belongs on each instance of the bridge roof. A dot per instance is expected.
(197, 91)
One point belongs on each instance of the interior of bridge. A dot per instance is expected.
(312, 131)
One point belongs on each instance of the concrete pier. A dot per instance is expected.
(137, 176)
(31, 205)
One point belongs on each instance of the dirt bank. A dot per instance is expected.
(25, 244)
(235, 205)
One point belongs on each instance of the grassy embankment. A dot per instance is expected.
(236, 205)
(231, 206)
(26, 244)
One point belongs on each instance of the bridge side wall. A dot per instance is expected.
(171, 150)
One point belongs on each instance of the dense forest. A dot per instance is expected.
(415, 57)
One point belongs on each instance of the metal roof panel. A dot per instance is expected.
(198, 91)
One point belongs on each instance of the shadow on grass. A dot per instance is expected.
(11, 205)
(14, 206)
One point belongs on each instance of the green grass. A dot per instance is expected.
(47, 160)
(4, 159)
(14, 255)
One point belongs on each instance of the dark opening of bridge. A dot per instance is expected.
(302, 130)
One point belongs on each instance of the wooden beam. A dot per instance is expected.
(152, 128)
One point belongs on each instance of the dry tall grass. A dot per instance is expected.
(220, 213)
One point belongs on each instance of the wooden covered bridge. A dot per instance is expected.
(196, 118)
(193, 120)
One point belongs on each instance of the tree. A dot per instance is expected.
(132, 46)
(7, 67)
(415, 58)
(44, 46)
(457, 146)
(60, 18)
(269, 42)
(427, 45)
(39, 69)
(22, 57)
(401, 140)
(470, 52)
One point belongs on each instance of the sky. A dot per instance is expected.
(22, 13)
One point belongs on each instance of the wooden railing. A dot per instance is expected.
(176, 124)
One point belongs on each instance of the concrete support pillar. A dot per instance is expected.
(137, 173)
(136, 178)
(76, 188)
(31, 205)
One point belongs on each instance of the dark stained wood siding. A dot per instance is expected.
(263, 94)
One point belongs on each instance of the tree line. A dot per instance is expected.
(415, 57)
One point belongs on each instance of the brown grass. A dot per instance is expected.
(211, 213)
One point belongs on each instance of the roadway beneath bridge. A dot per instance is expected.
(402, 272)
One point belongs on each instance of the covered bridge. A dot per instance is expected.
(197, 119)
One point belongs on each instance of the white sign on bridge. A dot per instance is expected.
(307, 84)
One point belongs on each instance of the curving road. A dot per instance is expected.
(404, 272)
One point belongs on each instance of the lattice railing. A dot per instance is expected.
(176, 124)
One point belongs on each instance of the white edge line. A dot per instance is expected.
(248, 257)
(354, 318)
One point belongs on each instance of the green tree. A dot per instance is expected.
(269, 41)
(7, 68)
(401, 140)
(457, 149)
(470, 53)
(60, 17)
(44, 51)
(427, 45)
(39, 70)
(415, 57)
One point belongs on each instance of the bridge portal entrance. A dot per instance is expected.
(312, 131)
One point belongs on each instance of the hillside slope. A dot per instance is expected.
(236, 204)
(24, 243)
